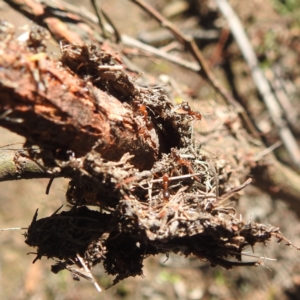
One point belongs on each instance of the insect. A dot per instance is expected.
(186, 109)
(165, 185)
(184, 163)
(142, 109)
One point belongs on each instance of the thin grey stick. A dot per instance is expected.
(278, 84)
(260, 80)
(129, 41)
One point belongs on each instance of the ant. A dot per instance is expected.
(184, 162)
(165, 185)
(187, 110)
(166, 179)
(142, 108)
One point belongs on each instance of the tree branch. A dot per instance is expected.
(16, 164)
(204, 69)
(261, 81)
(85, 108)
(43, 101)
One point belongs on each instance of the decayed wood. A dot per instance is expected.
(264, 179)
(56, 110)
(43, 101)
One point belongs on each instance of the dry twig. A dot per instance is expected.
(261, 81)
(204, 70)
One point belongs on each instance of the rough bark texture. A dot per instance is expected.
(94, 124)
(54, 108)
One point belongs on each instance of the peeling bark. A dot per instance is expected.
(43, 101)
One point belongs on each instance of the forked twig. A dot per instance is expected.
(100, 14)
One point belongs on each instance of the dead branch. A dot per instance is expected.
(111, 147)
(17, 164)
(204, 70)
(43, 101)
(260, 80)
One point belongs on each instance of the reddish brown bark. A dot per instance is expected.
(56, 109)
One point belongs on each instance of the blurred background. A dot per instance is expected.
(273, 27)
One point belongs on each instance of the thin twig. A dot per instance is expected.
(176, 177)
(260, 80)
(49, 184)
(14, 228)
(88, 271)
(100, 18)
(204, 70)
(274, 76)
(260, 155)
(235, 190)
(129, 41)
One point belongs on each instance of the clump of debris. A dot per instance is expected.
(124, 210)
(178, 205)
